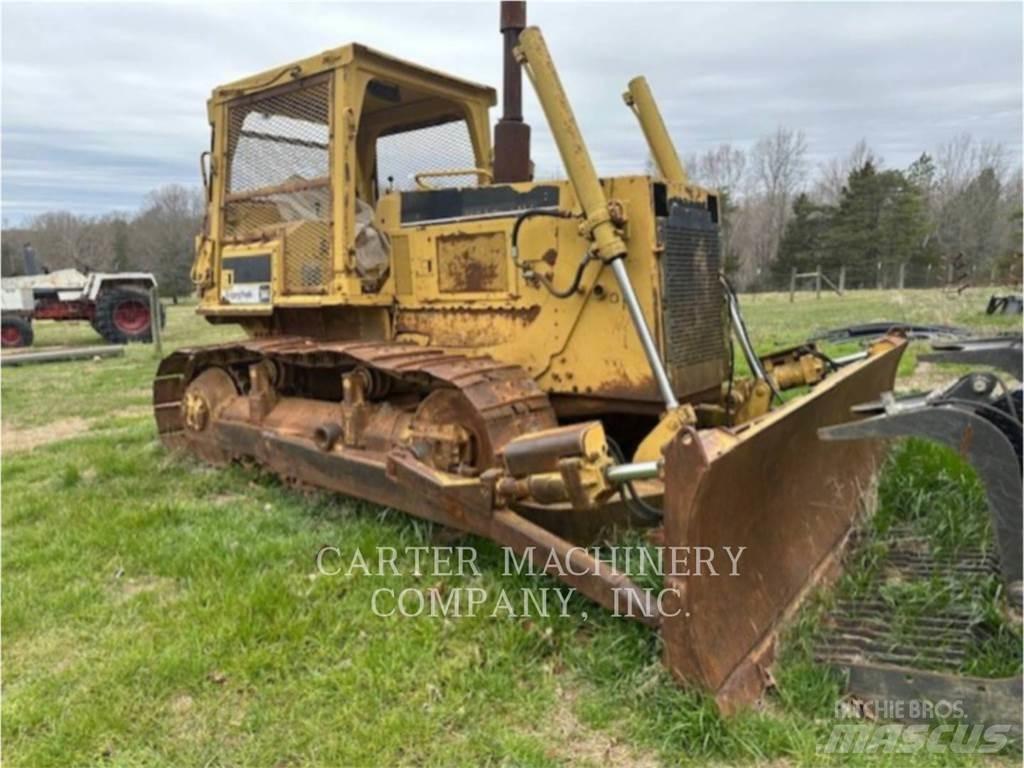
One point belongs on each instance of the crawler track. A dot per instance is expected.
(507, 400)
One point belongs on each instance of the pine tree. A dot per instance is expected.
(881, 223)
(803, 240)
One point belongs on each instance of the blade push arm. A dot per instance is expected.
(640, 100)
(533, 54)
(598, 226)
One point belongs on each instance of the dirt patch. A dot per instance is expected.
(211, 718)
(228, 499)
(13, 440)
(582, 745)
(133, 412)
(925, 378)
(125, 588)
(55, 651)
(181, 705)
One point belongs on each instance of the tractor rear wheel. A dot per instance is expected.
(123, 315)
(16, 332)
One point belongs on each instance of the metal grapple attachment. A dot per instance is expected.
(978, 417)
(887, 652)
(1003, 352)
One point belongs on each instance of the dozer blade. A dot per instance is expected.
(786, 497)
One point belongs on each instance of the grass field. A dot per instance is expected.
(157, 612)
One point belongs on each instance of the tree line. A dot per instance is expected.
(158, 238)
(955, 212)
(961, 204)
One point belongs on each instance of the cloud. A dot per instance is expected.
(103, 102)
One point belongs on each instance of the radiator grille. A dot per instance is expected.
(693, 312)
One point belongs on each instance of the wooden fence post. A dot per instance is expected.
(903, 272)
(154, 323)
(842, 279)
(878, 276)
(817, 283)
(792, 284)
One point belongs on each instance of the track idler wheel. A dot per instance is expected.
(449, 434)
(205, 397)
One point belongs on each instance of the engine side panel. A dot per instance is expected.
(458, 286)
(453, 282)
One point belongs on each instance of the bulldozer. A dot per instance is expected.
(537, 362)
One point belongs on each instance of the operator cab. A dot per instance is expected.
(309, 151)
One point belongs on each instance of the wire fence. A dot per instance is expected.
(841, 279)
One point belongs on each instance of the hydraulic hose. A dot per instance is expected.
(743, 336)
(529, 214)
(628, 493)
(574, 286)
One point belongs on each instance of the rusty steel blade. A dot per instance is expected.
(788, 498)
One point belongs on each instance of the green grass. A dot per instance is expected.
(159, 612)
(775, 322)
(35, 395)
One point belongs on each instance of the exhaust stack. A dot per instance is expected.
(511, 134)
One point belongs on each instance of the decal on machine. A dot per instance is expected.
(246, 293)
(246, 279)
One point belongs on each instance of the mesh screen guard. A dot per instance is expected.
(279, 178)
(443, 147)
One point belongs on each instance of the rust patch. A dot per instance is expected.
(475, 263)
(466, 327)
(550, 256)
(966, 440)
(479, 276)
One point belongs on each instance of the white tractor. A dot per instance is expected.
(116, 304)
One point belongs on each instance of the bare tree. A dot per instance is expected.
(969, 199)
(163, 235)
(66, 240)
(747, 239)
(832, 175)
(778, 168)
(961, 159)
(721, 169)
(56, 237)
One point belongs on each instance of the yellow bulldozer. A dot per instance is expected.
(536, 362)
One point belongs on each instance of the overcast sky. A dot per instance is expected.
(104, 102)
